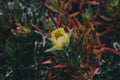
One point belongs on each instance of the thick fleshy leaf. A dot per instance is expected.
(74, 14)
(70, 33)
(51, 49)
(94, 73)
(93, 2)
(60, 66)
(105, 18)
(47, 62)
(80, 5)
(53, 19)
(50, 8)
(104, 32)
(78, 23)
(111, 50)
(34, 27)
(59, 20)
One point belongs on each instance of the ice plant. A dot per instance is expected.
(59, 39)
(89, 23)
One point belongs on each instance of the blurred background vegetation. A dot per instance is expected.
(23, 38)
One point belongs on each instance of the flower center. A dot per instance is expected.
(57, 35)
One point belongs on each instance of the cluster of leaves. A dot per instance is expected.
(94, 24)
(25, 28)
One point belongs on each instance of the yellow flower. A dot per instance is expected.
(59, 38)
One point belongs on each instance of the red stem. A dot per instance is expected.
(111, 50)
(105, 32)
(34, 27)
(59, 20)
(53, 19)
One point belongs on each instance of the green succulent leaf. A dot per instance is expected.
(113, 3)
(10, 52)
(51, 49)
(17, 12)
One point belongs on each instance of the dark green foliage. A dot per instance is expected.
(17, 55)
